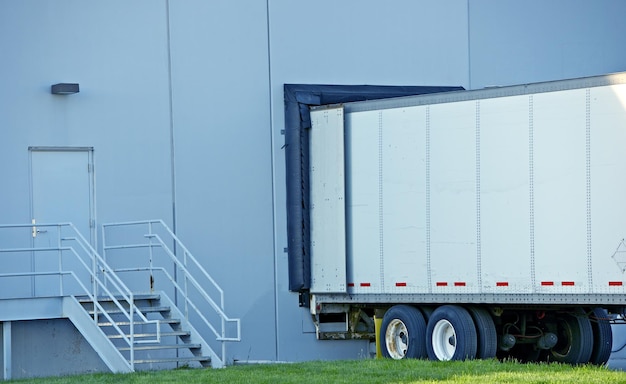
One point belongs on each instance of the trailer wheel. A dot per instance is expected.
(451, 334)
(485, 332)
(575, 339)
(602, 337)
(402, 333)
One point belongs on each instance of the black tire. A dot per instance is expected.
(427, 312)
(485, 332)
(451, 334)
(602, 337)
(402, 333)
(575, 339)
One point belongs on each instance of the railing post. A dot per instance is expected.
(186, 285)
(94, 288)
(223, 337)
(94, 285)
(59, 228)
(150, 253)
(104, 254)
(132, 330)
(223, 352)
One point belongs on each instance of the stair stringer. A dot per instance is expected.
(109, 354)
(195, 338)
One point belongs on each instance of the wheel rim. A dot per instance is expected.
(397, 339)
(444, 340)
(575, 338)
(564, 345)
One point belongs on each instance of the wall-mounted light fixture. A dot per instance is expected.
(64, 88)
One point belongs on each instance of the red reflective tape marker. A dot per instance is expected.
(350, 284)
(400, 284)
(502, 284)
(615, 283)
(459, 284)
(568, 283)
(547, 283)
(442, 284)
(366, 285)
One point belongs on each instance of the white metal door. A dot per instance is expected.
(62, 186)
(328, 225)
(62, 191)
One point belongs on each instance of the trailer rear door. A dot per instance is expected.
(327, 201)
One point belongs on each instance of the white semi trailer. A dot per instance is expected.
(474, 223)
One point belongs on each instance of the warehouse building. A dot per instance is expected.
(116, 113)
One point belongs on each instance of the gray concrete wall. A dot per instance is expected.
(516, 42)
(54, 347)
(364, 42)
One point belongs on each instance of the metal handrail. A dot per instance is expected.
(86, 290)
(217, 334)
(98, 286)
(153, 240)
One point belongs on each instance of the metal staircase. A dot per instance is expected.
(156, 348)
(146, 303)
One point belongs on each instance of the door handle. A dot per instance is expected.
(36, 231)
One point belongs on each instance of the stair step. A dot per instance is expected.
(145, 335)
(200, 359)
(162, 346)
(173, 340)
(102, 299)
(126, 323)
(141, 309)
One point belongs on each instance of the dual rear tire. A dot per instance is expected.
(449, 334)
(402, 333)
(452, 332)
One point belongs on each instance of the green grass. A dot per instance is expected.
(364, 371)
